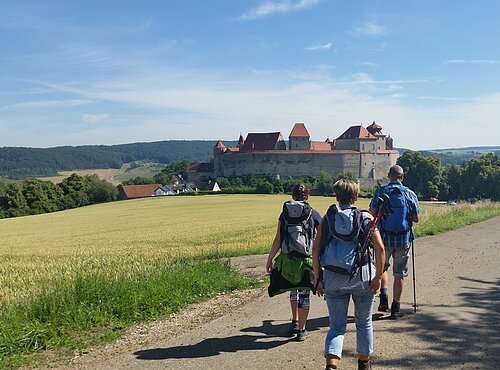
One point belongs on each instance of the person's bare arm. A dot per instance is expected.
(379, 249)
(274, 249)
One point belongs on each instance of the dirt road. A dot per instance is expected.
(457, 324)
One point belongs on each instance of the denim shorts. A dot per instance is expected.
(400, 256)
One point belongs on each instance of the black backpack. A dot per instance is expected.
(297, 229)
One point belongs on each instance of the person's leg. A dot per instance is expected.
(294, 304)
(384, 298)
(303, 308)
(397, 288)
(400, 271)
(337, 309)
(363, 302)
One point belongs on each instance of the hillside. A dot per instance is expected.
(20, 162)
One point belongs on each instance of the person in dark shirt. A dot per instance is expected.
(299, 299)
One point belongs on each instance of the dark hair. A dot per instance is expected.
(300, 192)
(396, 172)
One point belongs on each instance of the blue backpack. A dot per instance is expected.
(397, 221)
(343, 235)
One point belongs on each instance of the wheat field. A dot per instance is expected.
(135, 235)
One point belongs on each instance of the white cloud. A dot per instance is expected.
(277, 7)
(93, 118)
(327, 46)
(366, 64)
(370, 29)
(472, 61)
(47, 104)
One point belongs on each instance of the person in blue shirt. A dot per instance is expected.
(397, 244)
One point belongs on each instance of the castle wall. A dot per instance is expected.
(369, 167)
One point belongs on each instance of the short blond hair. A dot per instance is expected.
(346, 191)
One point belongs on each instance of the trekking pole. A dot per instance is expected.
(414, 280)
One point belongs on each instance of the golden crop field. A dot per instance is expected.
(133, 235)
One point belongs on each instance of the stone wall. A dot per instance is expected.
(369, 167)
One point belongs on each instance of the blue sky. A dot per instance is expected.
(115, 71)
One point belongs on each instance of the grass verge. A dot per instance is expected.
(459, 216)
(67, 315)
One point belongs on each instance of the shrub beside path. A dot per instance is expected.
(456, 325)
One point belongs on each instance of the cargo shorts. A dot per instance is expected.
(400, 257)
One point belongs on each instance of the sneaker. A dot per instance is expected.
(384, 303)
(395, 306)
(294, 327)
(302, 334)
(364, 365)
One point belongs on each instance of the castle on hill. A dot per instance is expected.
(365, 152)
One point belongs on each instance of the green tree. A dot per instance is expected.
(103, 191)
(14, 200)
(452, 176)
(481, 177)
(35, 197)
(422, 174)
(177, 168)
(325, 183)
(347, 176)
(264, 186)
(223, 182)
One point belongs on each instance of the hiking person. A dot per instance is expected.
(289, 240)
(341, 273)
(397, 234)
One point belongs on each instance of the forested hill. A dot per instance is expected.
(457, 155)
(20, 162)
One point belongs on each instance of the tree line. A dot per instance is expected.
(19, 163)
(34, 196)
(478, 178)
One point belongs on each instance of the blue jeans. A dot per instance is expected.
(338, 302)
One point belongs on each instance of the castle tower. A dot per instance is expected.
(389, 143)
(241, 142)
(299, 138)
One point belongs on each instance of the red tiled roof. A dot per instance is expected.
(356, 132)
(219, 144)
(374, 125)
(139, 191)
(375, 129)
(320, 145)
(261, 141)
(299, 130)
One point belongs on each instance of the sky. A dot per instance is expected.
(119, 71)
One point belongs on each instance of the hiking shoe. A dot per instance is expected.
(364, 365)
(294, 327)
(384, 303)
(302, 334)
(330, 367)
(395, 306)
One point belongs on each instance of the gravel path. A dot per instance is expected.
(457, 324)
